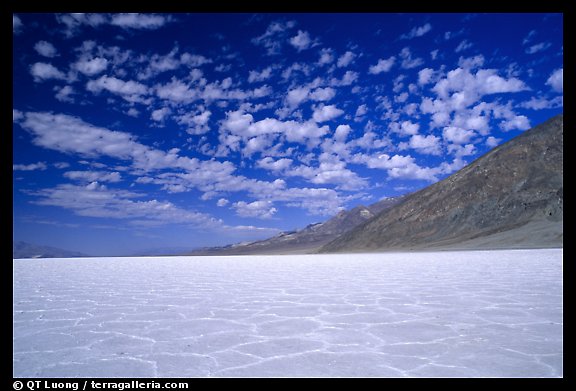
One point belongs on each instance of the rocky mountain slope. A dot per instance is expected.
(309, 239)
(512, 197)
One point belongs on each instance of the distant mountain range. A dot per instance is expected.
(512, 197)
(309, 239)
(28, 250)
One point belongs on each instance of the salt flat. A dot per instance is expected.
(442, 314)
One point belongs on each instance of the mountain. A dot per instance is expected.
(306, 240)
(512, 197)
(28, 250)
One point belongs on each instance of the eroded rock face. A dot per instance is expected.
(511, 197)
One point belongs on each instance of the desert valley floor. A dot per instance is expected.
(441, 314)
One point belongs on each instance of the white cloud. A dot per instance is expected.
(270, 164)
(130, 90)
(348, 78)
(326, 113)
(139, 21)
(94, 176)
(360, 112)
(263, 75)
(464, 45)
(457, 135)
(425, 76)
(322, 94)
(274, 36)
(42, 71)
(399, 167)
(75, 21)
(492, 141)
(45, 49)
(469, 87)
(92, 66)
(519, 122)
(529, 37)
(256, 209)
(542, 103)
(341, 133)
(326, 56)
(96, 200)
(41, 166)
(407, 61)
(345, 59)
(408, 128)
(176, 91)
(556, 80)
(471, 63)
(194, 60)
(64, 94)
(429, 145)
(160, 115)
(296, 96)
(197, 123)
(538, 47)
(417, 31)
(382, 66)
(301, 41)
(222, 202)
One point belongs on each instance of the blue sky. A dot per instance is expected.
(141, 131)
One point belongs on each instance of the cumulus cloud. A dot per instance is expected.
(456, 135)
(345, 59)
(408, 128)
(176, 91)
(383, 65)
(408, 62)
(429, 145)
(520, 122)
(417, 31)
(160, 115)
(196, 123)
(64, 94)
(274, 36)
(399, 166)
(302, 41)
(326, 56)
(255, 76)
(268, 163)
(326, 113)
(322, 94)
(556, 80)
(94, 176)
(92, 66)
(130, 90)
(41, 166)
(139, 21)
(45, 49)
(471, 86)
(425, 76)
(42, 71)
(256, 209)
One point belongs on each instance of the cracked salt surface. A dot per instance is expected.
(443, 314)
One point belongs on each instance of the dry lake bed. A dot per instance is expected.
(435, 314)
